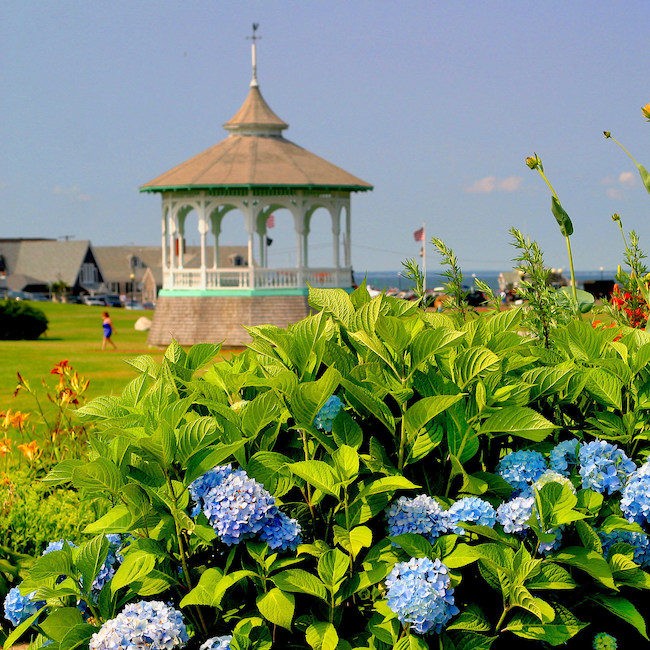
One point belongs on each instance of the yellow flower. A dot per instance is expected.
(534, 161)
(5, 446)
(646, 111)
(30, 450)
(18, 420)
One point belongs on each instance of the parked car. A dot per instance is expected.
(133, 304)
(93, 301)
(112, 300)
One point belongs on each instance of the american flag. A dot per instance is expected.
(270, 221)
(418, 235)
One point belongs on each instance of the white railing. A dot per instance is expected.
(255, 278)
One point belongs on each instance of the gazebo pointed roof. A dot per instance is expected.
(255, 156)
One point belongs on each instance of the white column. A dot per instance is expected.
(348, 245)
(203, 229)
(172, 249)
(336, 234)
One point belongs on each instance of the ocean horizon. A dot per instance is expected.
(395, 279)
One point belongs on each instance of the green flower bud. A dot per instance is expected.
(604, 641)
(616, 216)
(607, 134)
(534, 162)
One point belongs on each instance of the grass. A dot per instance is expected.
(75, 334)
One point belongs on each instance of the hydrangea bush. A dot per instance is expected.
(372, 477)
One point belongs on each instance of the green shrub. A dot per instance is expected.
(19, 320)
(33, 514)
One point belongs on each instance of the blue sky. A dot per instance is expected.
(435, 104)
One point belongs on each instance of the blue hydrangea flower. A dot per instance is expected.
(421, 515)
(151, 625)
(325, 417)
(635, 499)
(521, 468)
(604, 641)
(639, 541)
(57, 546)
(419, 592)
(471, 510)
(281, 532)
(564, 456)
(202, 485)
(217, 643)
(603, 466)
(18, 607)
(513, 515)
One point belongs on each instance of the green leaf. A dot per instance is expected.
(322, 636)
(353, 540)
(206, 459)
(364, 400)
(562, 218)
(557, 632)
(386, 484)
(62, 473)
(200, 353)
(301, 582)
(605, 387)
(271, 469)
(521, 597)
(309, 397)
(332, 301)
(21, 629)
(195, 435)
(57, 624)
(277, 607)
(318, 474)
(625, 610)
(411, 642)
(589, 561)
(212, 587)
(116, 520)
(346, 431)
(471, 618)
(77, 637)
(415, 545)
(472, 362)
(424, 410)
(346, 462)
(518, 421)
(552, 576)
(645, 176)
(98, 477)
(136, 566)
(90, 558)
(332, 569)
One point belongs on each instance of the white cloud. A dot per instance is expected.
(627, 179)
(490, 184)
(617, 185)
(74, 193)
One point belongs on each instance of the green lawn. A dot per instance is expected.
(75, 334)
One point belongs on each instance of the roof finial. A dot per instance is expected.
(254, 38)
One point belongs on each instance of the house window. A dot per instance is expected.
(88, 273)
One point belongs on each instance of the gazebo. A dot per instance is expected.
(256, 172)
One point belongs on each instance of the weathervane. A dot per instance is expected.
(254, 38)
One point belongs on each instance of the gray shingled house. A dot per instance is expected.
(34, 265)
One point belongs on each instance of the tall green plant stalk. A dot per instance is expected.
(562, 218)
(643, 172)
(454, 275)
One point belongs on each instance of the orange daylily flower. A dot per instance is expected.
(30, 450)
(60, 367)
(5, 446)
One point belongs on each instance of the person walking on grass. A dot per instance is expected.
(107, 326)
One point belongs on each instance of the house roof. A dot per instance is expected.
(43, 261)
(256, 155)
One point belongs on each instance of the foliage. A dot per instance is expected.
(429, 406)
(20, 320)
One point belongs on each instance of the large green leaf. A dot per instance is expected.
(353, 540)
(346, 463)
(277, 607)
(136, 566)
(322, 636)
(332, 301)
(472, 362)
(471, 618)
(589, 561)
(200, 353)
(556, 632)
(100, 476)
(605, 387)
(59, 621)
(309, 397)
(90, 558)
(332, 568)
(204, 460)
(519, 421)
(318, 474)
(301, 582)
(363, 399)
(116, 520)
(212, 587)
(272, 469)
(424, 410)
(562, 218)
(625, 610)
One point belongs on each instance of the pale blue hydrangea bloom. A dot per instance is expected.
(217, 643)
(419, 592)
(281, 532)
(238, 508)
(639, 541)
(421, 515)
(603, 466)
(547, 547)
(152, 625)
(635, 499)
(18, 607)
(513, 515)
(604, 641)
(110, 566)
(58, 546)
(521, 469)
(564, 456)
(471, 510)
(551, 476)
(325, 417)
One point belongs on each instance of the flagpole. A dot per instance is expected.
(424, 260)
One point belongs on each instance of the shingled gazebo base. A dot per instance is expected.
(210, 319)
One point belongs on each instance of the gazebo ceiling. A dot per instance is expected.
(255, 155)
